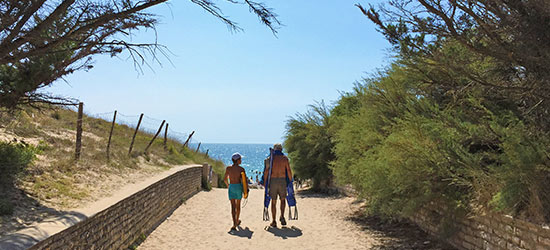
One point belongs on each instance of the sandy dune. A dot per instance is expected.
(203, 222)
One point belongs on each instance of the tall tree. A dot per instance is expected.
(512, 34)
(44, 40)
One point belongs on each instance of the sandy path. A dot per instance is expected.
(204, 220)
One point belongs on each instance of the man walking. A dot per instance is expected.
(277, 184)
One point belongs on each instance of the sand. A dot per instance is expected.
(204, 221)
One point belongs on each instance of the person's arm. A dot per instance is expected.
(245, 177)
(248, 181)
(225, 178)
(288, 169)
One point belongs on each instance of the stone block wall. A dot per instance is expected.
(214, 180)
(489, 231)
(120, 225)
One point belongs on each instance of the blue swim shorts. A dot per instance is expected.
(235, 191)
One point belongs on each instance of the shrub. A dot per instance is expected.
(14, 157)
(401, 150)
(309, 145)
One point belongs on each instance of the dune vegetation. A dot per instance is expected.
(460, 117)
(37, 159)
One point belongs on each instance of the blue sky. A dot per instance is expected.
(237, 87)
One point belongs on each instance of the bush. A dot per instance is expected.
(520, 183)
(309, 145)
(401, 150)
(395, 150)
(14, 157)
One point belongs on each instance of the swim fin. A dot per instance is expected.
(291, 201)
(267, 198)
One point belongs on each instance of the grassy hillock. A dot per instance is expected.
(37, 166)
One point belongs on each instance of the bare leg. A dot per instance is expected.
(233, 211)
(274, 212)
(237, 212)
(283, 205)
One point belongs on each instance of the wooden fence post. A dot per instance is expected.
(110, 135)
(165, 136)
(198, 147)
(154, 137)
(79, 131)
(188, 138)
(207, 152)
(135, 133)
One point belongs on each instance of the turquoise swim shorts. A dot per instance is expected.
(235, 191)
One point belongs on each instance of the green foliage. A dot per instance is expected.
(522, 180)
(40, 45)
(15, 157)
(394, 150)
(401, 149)
(58, 179)
(460, 117)
(185, 155)
(309, 145)
(19, 80)
(404, 138)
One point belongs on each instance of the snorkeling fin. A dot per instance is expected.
(267, 198)
(291, 201)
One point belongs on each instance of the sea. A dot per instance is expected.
(253, 155)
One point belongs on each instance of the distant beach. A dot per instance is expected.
(253, 155)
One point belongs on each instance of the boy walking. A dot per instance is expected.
(235, 188)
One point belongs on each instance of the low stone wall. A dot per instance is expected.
(490, 231)
(123, 223)
(214, 180)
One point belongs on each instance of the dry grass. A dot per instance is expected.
(55, 179)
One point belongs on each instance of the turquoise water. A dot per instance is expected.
(253, 155)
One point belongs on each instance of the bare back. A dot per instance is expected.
(280, 165)
(234, 174)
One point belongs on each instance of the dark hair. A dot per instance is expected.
(235, 161)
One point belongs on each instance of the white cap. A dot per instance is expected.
(236, 156)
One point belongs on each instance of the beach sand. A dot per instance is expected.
(204, 221)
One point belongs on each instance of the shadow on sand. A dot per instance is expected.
(245, 233)
(394, 235)
(18, 210)
(285, 232)
(29, 236)
(328, 194)
(20, 214)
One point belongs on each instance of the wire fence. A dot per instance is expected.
(146, 124)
